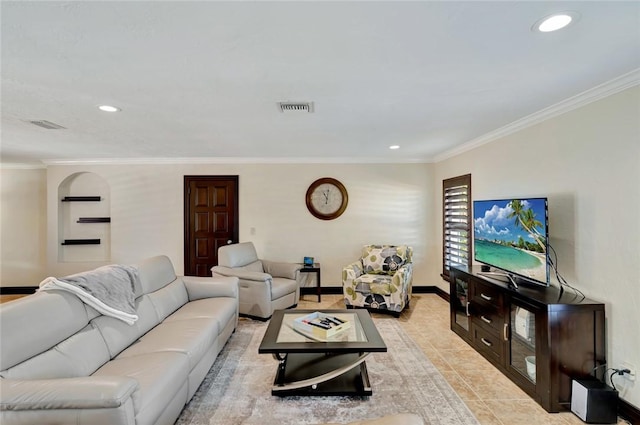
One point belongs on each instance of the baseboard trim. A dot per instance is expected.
(431, 290)
(628, 412)
(325, 290)
(18, 290)
(337, 290)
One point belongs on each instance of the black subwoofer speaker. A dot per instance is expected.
(594, 402)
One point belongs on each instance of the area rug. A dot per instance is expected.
(237, 389)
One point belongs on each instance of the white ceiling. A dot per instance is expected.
(202, 79)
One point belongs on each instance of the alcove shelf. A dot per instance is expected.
(94, 220)
(84, 218)
(81, 199)
(81, 242)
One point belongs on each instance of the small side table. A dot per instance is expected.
(314, 269)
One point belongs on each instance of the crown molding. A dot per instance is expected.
(594, 94)
(227, 160)
(20, 166)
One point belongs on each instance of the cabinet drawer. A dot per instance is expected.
(487, 342)
(487, 295)
(488, 317)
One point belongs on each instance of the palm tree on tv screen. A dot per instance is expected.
(526, 218)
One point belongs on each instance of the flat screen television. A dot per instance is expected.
(512, 235)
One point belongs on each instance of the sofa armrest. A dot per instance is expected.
(91, 392)
(241, 274)
(210, 287)
(352, 271)
(281, 269)
(403, 277)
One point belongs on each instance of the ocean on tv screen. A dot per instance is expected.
(511, 235)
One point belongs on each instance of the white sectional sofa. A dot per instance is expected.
(62, 362)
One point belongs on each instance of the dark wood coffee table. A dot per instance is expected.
(308, 366)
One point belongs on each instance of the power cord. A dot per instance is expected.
(619, 372)
(553, 262)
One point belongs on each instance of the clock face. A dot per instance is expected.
(327, 198)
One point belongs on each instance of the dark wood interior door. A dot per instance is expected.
(211, 220)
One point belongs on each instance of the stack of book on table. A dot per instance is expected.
(320, 325)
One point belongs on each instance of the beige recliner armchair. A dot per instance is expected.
(264, 286)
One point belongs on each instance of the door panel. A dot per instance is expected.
(211, 220)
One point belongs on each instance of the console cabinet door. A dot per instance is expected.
(460, 290)
(523, 355)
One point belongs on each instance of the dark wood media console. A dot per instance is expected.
(540, 338)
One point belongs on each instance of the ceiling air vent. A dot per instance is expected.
(295, 106)
(47, 124)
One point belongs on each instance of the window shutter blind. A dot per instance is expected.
(456, 203)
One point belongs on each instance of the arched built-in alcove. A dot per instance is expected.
(84, 217)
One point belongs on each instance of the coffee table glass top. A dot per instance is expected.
(361, 336)
(354, 333)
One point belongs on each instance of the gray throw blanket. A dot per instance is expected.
(108, 289)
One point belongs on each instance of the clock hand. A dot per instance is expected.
(326, 197)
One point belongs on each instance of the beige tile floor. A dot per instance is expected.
(493, 398)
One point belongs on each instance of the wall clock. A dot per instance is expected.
(327, 198)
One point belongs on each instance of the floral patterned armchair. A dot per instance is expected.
(381, 279)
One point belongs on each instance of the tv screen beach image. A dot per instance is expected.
(511, 235)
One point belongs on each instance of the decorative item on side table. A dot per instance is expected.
(308, 266)
(320, 325)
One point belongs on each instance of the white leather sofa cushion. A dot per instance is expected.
(79, 355)
(205, 287)
(191, 337)
(38, 324)
(242, 254)
(280, 269)
(155, 273)
(156, 390)
(168, 299)
(71, 393)
(118, 335)
(281, 287)
(219, 309)
(90, 400)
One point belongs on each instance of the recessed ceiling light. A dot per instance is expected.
(555, 22)
(394, 147)
(109, 108)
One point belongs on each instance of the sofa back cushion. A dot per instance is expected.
(155, 273)
(166, 292)
(46, 335)
(79, 355)
(385, 259)
(237, 255)
(118, 335)
(162, 293)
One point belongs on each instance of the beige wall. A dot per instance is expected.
(23, 231)
(587, 162)
(388, 203)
